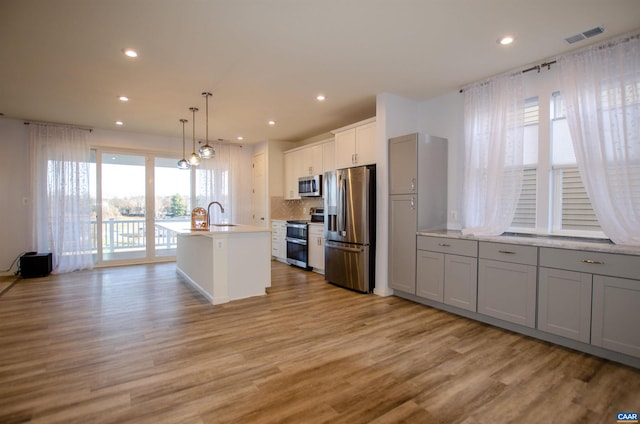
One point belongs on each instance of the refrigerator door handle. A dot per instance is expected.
(346, 249)
(342, 212)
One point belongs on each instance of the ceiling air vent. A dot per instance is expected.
(584, 35)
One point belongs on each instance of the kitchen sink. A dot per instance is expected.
(224, 225)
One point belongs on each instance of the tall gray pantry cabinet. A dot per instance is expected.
(417, 201)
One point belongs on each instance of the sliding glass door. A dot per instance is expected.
(172, 188)
(123, 207)
(135, 194)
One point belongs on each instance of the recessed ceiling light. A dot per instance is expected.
(506, 40)
(240, 138)
(120, 123)
(272, 122)
(130, 52)
(123, 98)
(320, 97)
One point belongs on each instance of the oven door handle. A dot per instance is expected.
(296, 241)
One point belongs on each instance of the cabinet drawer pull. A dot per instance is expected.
(591, 261)
(507, 252)
(444, 245)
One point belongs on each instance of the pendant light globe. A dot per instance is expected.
(194, 159)
(182, 163)
(206, 151)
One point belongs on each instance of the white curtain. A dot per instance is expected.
(494, 134)
(61, 206)
(218, 180)
(601, 88)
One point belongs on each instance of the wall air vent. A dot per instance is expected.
(584, 35)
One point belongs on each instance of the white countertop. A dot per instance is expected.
(184, 228)
(575, 243)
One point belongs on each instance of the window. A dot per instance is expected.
(525, 217)
(553, 199)
(572, 210)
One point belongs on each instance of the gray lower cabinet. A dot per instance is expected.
(616, 314)
(615, 297)
(402, 242)
(564, 303)
(447, 271)
(460, 282)
(430, 275)
(507, 287)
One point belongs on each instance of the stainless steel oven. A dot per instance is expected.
(297, 243)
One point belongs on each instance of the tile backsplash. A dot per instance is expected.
(293, 209)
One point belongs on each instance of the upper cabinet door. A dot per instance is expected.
(356, 144)
(345, 148)
(329, 156)
(365, 144)
(403, 164)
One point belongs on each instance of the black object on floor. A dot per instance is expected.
(35, 265)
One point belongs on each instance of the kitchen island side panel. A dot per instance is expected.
(194, 261)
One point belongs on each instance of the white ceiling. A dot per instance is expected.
(268, 59)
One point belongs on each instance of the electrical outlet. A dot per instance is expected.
(454, 215)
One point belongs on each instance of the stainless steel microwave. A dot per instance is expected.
(310, 186)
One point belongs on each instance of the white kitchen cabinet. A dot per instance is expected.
(447, 271)
(278, 240)
(306, 161)
(356, 145)
(311, 160)
(316, 247)
(292, 164)
(564, 303)
(616, 314)
(402, 242)
(329, 156)
(507, 287)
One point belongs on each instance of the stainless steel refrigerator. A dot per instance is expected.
(350, 227)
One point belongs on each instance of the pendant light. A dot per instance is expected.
(194, 159)
(182, 163)
(206, 151)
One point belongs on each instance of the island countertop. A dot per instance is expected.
(184, 228)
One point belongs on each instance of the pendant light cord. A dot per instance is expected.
(183, 122)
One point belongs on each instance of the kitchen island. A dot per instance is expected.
(226, 262)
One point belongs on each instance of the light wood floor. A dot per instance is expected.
(135, 345)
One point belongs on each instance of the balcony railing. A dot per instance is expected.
(119, 235)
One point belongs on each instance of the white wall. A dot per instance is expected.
(15, 230)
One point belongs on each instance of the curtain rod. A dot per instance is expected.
(59, 125)
(533, 68)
